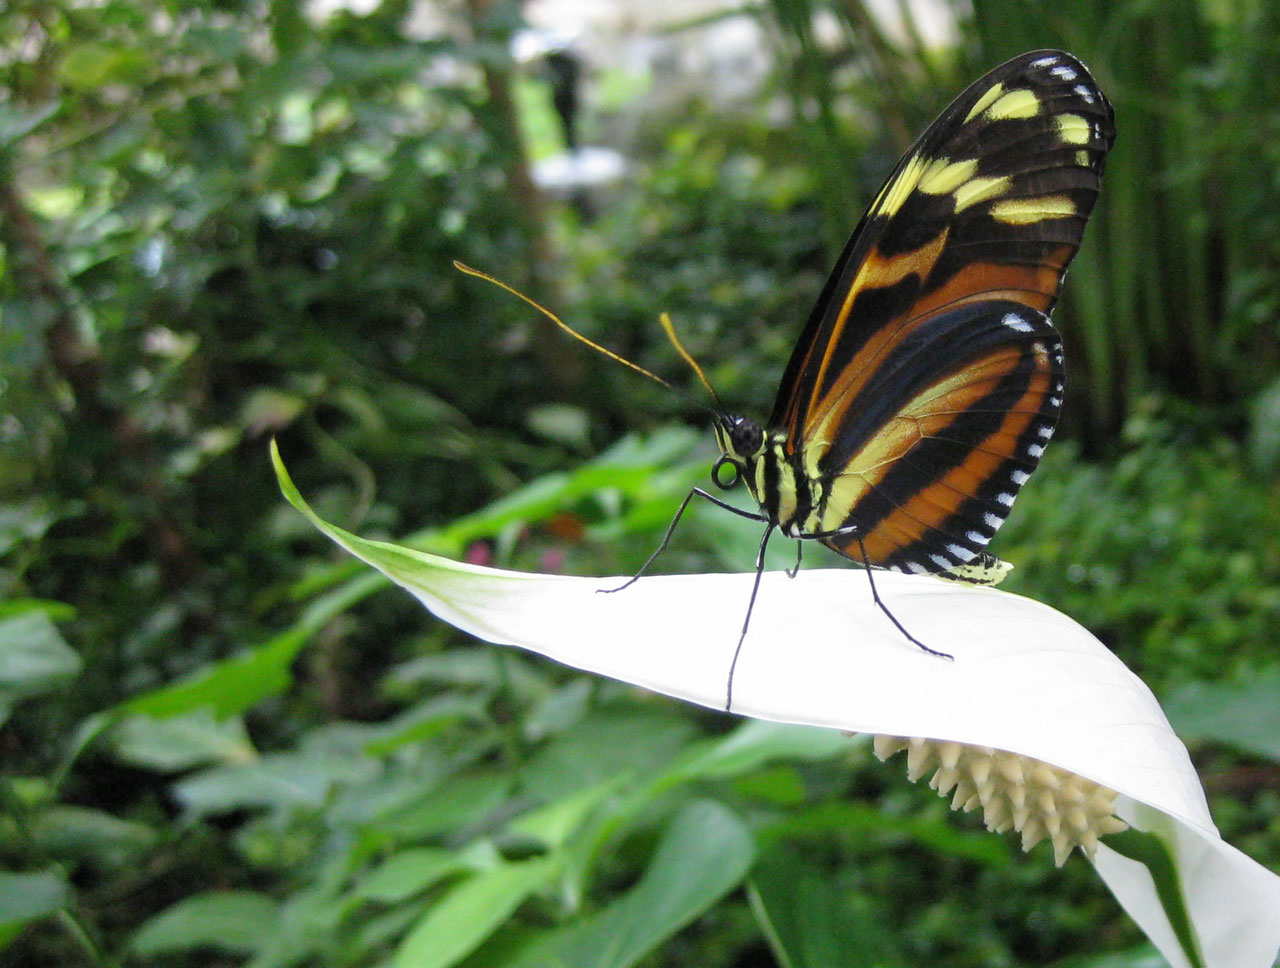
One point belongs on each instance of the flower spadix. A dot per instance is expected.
(1034, 721)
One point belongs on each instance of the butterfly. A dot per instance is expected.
(929, 377)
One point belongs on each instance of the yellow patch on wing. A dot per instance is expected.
(980, 189)
(899, 189)
(984, 102)
(991, 571)
(1016, 104)
(1072, 129)
(1026, 211)
(943, 175)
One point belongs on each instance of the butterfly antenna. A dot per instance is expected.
(461, 267)
(666, 325)
(670, 330)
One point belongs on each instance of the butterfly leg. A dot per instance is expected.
(764, 543)
(885, 608)
(792, 572)
(875, 595)
(671, 528)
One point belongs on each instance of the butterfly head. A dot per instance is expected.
(741, 442)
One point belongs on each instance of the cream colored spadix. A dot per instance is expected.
(1032, 798)
(1026, 680)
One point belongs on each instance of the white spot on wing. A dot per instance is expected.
(1064, 72)
(960, 552)
(1019, 478)
(942, 562)
(1044, 62)
(1046, 431)
(1055, 401)
(915, 568)
(977, 537)
(1084, 92)
(1006, 499)
(1016, 322)
(992, 521)
(1035, 450)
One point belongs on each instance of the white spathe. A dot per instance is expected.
(1025, 679)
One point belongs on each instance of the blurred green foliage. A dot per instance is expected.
(223, 745)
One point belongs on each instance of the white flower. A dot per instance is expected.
(1025, 680)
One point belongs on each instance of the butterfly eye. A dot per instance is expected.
(747, 437)
(720, 465)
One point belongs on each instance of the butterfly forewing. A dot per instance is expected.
(929, 377)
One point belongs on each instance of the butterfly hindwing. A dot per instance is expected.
(929, 377)
(970, 404)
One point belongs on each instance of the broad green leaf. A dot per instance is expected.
(305, 925)
(230, 921)
(757, 742)
(471, 911)
(809, 922)
(467, 798)
(1245, 716)
(74, 834)
(552, 825)
(28, 896)
(842, 817)
(278, 781)
(34, 658)
(423, 721)
(175, 743)
(234, 685)
(90, 65)
(412, 871)
(704, 854)
(603, 744)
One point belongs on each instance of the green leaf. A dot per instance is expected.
(842, 818)
(74, 834)
(180, 742)
(466, 798)
(1151, 851)
(809, 922)
(412, 871)
(34, 658)
(278, 781)
(1244, 715)
(26, 897)
(91, 65)
(472, 911)
(230, 921)
(553, 824)
(234, 685)
(604, 744)
(704, 854)
(755, 743)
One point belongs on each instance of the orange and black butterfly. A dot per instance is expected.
(929, 377)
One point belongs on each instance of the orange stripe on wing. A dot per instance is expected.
(933, 505)
(1035, 286)
(876, 272)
